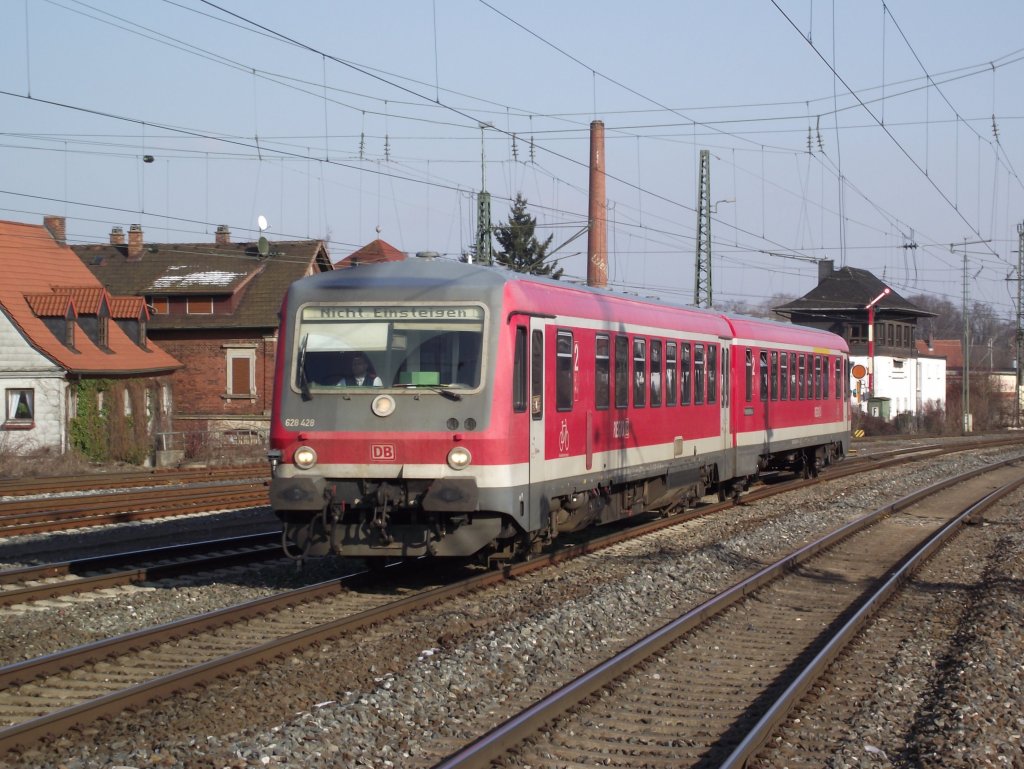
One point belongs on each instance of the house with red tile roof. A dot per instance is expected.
(375, 251)
(214, 306)
(65, 337)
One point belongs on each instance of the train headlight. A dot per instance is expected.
(459, 458)
(383, 405)
(305, 457)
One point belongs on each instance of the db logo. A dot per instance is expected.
(382, 452)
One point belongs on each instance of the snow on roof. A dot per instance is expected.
(206, 278)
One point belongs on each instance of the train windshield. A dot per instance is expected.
(403, 346)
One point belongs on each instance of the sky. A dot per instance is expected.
(887, 136)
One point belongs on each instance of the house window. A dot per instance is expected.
(21, 408)
(159, 305)
(199, 305)
(103, 332)
(241, 368)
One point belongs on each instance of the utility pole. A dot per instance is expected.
(702, 295)
(965, 384)
(1020, 296)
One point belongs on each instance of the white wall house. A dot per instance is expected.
(35, 394)
(910, 383)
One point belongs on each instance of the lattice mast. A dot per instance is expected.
(702, 295)
(484, 244)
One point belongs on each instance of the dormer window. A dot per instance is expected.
(199, 305)
(69, 331)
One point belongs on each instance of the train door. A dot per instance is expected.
(726, 443)
(536, 509)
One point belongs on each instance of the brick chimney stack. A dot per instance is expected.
(223, 235)
(597, 236)
(57, 227)
(135, 241)
(117, 236)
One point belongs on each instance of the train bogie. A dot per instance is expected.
(489, 412)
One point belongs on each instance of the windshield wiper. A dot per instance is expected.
(303, 381)
(442, 390)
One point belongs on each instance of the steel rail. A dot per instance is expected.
(483, 751)
(156, 564)
(13, 487)
(780, 709)
(26, 732)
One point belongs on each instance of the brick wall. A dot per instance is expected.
(201, 386)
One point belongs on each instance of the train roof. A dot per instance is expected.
(458, 280)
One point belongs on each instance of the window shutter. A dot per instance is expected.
(240, 376)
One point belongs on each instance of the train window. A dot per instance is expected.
(519, 372)
(404, 345)
(775, 375)
(537, 375)
(563, 371)
(712, 373)
(792, 377)
(639, 372)
(763, 357)
(655, 372)
(839, 377)
(684, 373)
(602, 372)
(824, 377)
(698, 374)
(621, 372)
(748, 387)
(725, 376)
(670, 373)
(817, 377)
(783, 376)
(712, 369)
(801, 386)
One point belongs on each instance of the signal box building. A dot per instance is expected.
(905, 378)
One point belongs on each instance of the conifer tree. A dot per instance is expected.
(520, 249)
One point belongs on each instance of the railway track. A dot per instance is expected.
(45, 514)
(708, 688)
(52, 580)
(292, 629)
(19, 487)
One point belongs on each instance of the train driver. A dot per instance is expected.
(363, 374)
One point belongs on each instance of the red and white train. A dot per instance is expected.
(501, 409)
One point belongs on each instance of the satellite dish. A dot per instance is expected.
(263, 246)
(261, 222)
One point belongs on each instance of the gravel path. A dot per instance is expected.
(405, 693)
